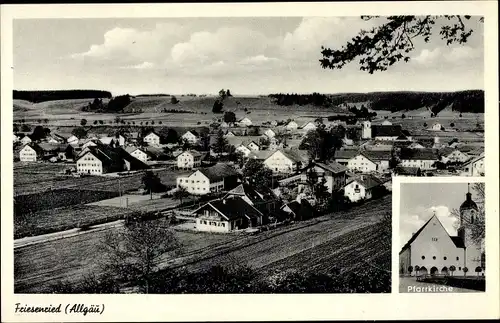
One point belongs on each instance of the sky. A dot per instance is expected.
(419, 201)
(258, 55)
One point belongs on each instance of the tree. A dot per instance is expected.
(221, 143)
(45, 120)
(83, 122)
(135, 252)
(180, 193)
(228, 93)
(79, 132)
(322, 144)
(465, 269)
(321, 191)
(478, 270)
(452, 125)
(15, 128)
(222, 94)
(38, 133)
(229, 117)
(425, 124)
(452, 269)
(257, 174)
(312, 180)
(410, 269)
(218, 106)
(174, 100)
(152, 183)
(25, 128)
(403, 116)
(392, 41)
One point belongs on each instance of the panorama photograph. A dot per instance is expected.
(232, 154)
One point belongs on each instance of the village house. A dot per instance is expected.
(437, 127)
(66, 152)
(432, 250)
(191, 137)
(243, 150)
(152, 139)
(229, 134)
(308, 126)
(286, 161)
(73, 140)
(377, 145)
(425, 159)
(245, 122)
(474, 167)
(101, 159)
(26, 140)
(55, 139)
(343, 156)
(31, 152)
(407, 171)
(370, 161)
(141, 153)
(270, 133)
(363, 187)
(48, 150)
(190, 159)
(299, 210)
(262, 199)
(260, 154)
(226, 215)
(217, 178)
(415, 145)
(333, 173)
(292, 125)
(383, 132)
(450, 155)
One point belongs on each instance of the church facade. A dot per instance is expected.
(431, 250)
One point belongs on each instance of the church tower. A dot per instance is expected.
(366, 130)
(468, 215)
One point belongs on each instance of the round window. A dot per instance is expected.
(434, 257)
(444, 258)
(423, 257)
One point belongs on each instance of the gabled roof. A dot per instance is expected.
(401, 170)
(418, 154)
(458, 241)
(194, 153)
(331, 166)
(47, 147)
(260, 154)
(386, 130)
(377, 155)
(233, 208)
(218, 172)
(309, 122)
(194, 132)
(366, 180)
(256, 196)
(473, 160)
(298, 156)
(112, 156)
(346, 153)
(35, 147)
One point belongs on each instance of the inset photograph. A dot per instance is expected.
(442, 234)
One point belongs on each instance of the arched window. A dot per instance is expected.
(434, 257)
(423, 257)
(444, 258)
(458, 258)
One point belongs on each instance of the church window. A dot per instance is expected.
(444, 258)
(459, 268)
(458, 258)
(423, 257)
(434, 257)
(434, 239)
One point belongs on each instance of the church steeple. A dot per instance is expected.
(468, 215)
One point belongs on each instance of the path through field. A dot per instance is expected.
(344, 238)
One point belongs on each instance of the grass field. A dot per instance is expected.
(38, 266)
(65, 218)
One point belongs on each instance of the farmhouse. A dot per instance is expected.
(153, 139)
(100, 159)
(370, 161)
(245, 122)
(73, 140)
(217, 178)
(383, 132)
(141, 153)
(425, 159)
(286, 161)
(453, 155)
(48, 150)
(270, 133)
(191, 137)
(31, 152)
(263, 200)
(344, 155)
(260, 154)
(299, 210)
(190, 159)
(431, 250)
(474, 167)
(407, 171)
(292, 125)
(26, 140)
(308, 126)
(333, 173)
(363, 187)
(226, 215)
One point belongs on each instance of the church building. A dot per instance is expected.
(431, 250)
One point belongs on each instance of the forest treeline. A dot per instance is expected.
(41, 96)
(460, 101)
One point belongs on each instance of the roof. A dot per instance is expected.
(48, 147)
(346, 153)
(468, 203)
(377, 155)
(260, 154)
(473, 160)
(233, 208)
(458, 241)
(332, 166)
(194, 132)
(298, 208)
(218, 171)
(194, 153)
(418, 154)
(256, 196)
(113, 156)
(386, 130)
(299, 156)
(366, 180)
(407, 170)
(34, 146)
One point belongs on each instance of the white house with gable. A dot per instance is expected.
(270, 133)
(191, 137)
(30, 153)
(309, 126)
(245, 122)
(285, 162)
(292, 125)
(152, 139)
(189, 159)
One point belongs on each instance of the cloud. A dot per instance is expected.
(463, 53)
(450, 55)
(428, 56)
(140, 66)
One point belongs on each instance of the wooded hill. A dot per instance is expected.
(41, 96)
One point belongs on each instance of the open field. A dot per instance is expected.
(38, 266)
(65, 218)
